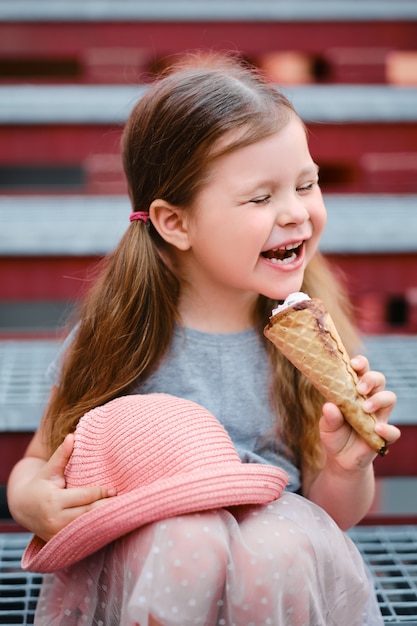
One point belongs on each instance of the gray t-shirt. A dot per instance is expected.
(229, 375)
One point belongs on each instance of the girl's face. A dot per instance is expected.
(257, 222)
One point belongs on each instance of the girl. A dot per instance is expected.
(227, 218)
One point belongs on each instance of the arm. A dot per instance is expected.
(36, 492)
(345, 486)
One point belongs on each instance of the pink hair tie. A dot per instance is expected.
(142, 216)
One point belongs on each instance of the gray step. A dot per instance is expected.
(24, 390)
(215, 10)
(111, 104)
(93, 225)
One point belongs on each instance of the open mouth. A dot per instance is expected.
(284, 255)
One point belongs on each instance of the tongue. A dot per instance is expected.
(277, 254)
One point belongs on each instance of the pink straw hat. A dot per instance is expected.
(165, 456)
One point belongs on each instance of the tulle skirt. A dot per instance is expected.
(283, 564)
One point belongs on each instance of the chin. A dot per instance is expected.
(284, 290)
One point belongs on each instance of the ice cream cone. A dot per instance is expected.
(307, 336)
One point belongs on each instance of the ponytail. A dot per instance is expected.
(126, 326)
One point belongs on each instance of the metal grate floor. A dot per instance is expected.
(389, 551)
(391, 555)
(18, 590)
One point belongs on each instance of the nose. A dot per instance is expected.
(292, 212)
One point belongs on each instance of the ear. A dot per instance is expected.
(171, 223)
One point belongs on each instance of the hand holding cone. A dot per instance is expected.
(307, 336)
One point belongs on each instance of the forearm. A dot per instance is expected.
(19, 490)
(345, 495)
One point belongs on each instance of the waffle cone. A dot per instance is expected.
(307, 336)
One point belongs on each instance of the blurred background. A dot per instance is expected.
(71, 70)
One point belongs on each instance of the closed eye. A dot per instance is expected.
(262, 200)
(308, 187)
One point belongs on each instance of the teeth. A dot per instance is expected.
(288, 259)
(284, 255)
(291, 246)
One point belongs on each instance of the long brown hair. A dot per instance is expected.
(127, 319)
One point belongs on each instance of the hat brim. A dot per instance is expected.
(175, 495)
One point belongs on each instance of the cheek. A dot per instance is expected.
(241, 233)
(318, 217)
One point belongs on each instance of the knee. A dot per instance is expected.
(197, 549)
(276, 548)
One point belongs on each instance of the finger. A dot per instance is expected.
(73, 503)
(381, 403)
(54, 469)
(332, 417)
(85, 497)
(70, 514)
(335, 432)
(389, 432)
(360, 364)
(371, 382)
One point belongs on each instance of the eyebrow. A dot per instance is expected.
(309, 170)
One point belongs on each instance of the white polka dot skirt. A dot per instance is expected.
(283, 564)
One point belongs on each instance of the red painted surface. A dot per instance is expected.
(372, 280)
(388, 274)
(50, 143)
(44, 278)
(73, 143)
(401, 459)
(140, 44)
(354, 158)
(12, 448)
(364, 158)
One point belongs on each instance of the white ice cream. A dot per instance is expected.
(290, 300)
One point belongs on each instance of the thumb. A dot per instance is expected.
(332, 418)
(55, 467)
